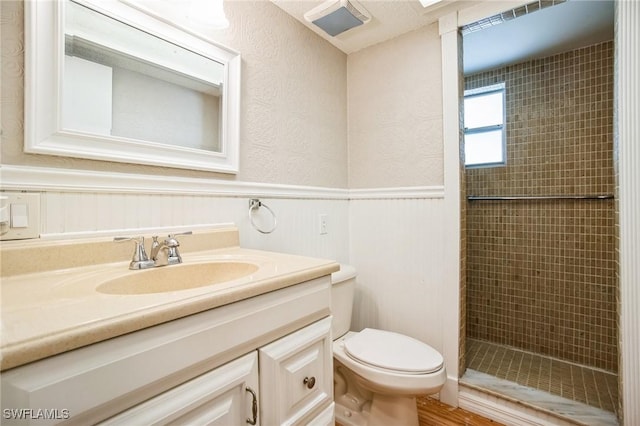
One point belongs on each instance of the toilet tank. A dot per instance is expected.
(343, 285)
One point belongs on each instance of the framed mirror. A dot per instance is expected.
(108, 81)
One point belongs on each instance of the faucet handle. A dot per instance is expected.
(139, 259)
(171, 241)
(173, 244)
(172, 236)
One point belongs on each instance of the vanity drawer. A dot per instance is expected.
(296, 375)
(220, 397)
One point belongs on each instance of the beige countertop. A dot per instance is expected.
(53, 311)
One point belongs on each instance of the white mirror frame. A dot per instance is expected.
(44, 67)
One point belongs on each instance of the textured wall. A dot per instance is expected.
(395, 112)
(293, 100)
(541, 274)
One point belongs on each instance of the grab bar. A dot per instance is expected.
(539, 197)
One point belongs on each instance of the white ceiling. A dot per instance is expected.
(560, 28)
(563, 27)
(390, 18)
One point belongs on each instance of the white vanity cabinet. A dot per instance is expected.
(200, 369)
(296, 376)
(295, 387)
(216, 398)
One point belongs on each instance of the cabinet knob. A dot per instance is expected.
(310, 382)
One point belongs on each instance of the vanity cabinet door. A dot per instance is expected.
(296, 376)
(223, 396)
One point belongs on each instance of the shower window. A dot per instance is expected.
(484, 118)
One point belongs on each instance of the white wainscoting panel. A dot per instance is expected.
(69, 214)
(397, 249)
(298, 230)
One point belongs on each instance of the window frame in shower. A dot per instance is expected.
(480, 130)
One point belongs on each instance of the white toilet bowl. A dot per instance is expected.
(378, 374)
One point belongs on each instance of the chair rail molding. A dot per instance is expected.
(28, 178)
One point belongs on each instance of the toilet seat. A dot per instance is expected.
(393, 352)
(385, 381)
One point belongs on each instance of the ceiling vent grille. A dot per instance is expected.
(337, 16)
(509, 15)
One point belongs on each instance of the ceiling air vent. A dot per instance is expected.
(338, 16)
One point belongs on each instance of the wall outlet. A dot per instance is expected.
(322, 224)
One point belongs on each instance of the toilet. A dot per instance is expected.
(377, 374)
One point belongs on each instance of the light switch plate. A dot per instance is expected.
(19, 215)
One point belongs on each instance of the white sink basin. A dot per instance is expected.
(177, 277)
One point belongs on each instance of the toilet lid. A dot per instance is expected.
(393, 351)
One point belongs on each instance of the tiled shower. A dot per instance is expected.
(541, 273)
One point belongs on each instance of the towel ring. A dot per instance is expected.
(255, 204)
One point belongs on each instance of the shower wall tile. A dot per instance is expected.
(541, 274)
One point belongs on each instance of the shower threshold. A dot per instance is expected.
(576, 394)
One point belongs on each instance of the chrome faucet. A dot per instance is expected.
(139, 260)
(165, 253)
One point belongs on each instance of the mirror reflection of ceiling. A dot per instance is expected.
(566, 26)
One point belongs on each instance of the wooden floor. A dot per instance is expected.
(432, 412)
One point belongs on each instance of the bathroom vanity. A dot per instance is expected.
(254, 349)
